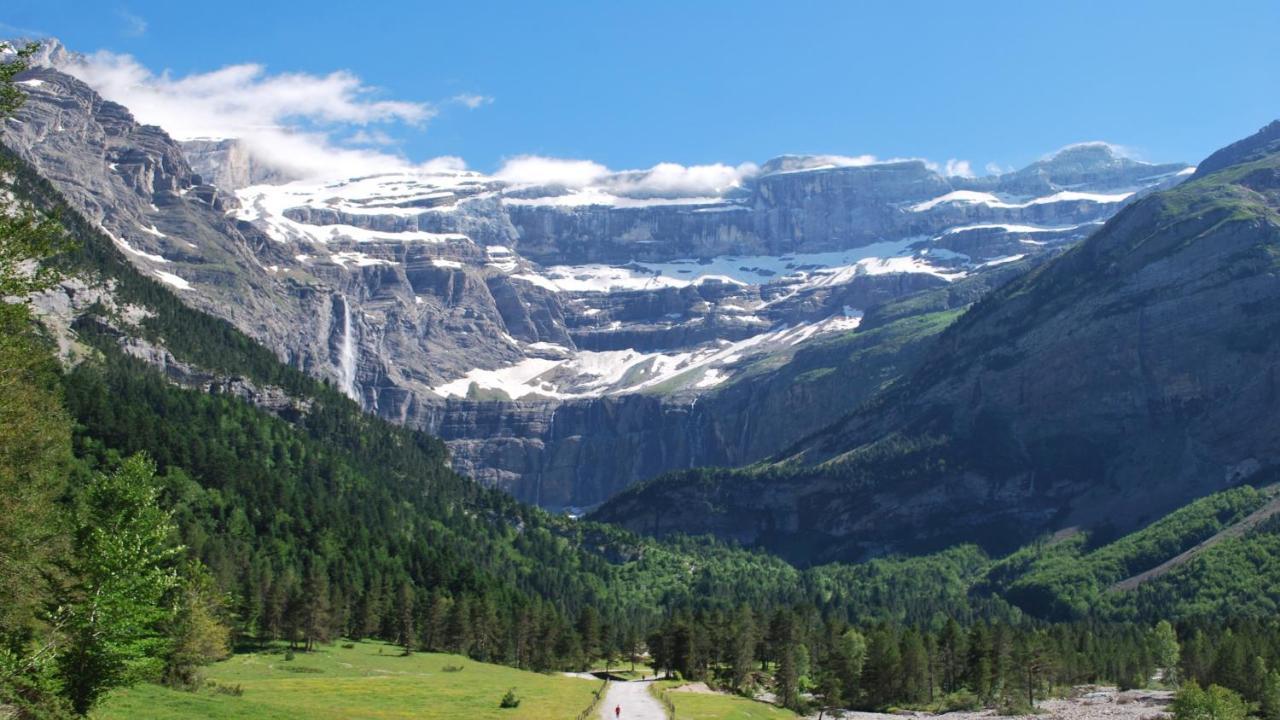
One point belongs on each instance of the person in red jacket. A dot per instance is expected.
(617, 711)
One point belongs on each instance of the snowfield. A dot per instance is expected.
(591, 374)
(339, 215)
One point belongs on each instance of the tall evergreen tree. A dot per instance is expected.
(124, 566)
(458, 635)
(316, 619)
(406, 633)
(742, 647)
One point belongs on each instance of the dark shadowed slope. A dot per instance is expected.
(1133, 373)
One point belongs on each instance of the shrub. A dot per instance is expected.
(452, 668)
(963, 700)
(288, 654)
(510, 700)
(1215, 703)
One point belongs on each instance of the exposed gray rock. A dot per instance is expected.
(227, 164)
(355, 293)
(1122, 379)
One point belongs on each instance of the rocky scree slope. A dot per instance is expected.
(1103, 388)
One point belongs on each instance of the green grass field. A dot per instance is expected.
(701, 706)
(370, 680)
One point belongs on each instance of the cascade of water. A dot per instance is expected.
(347, 355)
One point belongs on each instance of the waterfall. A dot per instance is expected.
(347, 355)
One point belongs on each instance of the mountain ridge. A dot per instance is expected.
(1155, 326)
(451, 301)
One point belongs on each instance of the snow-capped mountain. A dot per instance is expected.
(786, 255)
(559, 336)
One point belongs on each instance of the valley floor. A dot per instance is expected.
(367, 680)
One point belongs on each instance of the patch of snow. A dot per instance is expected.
(125, 246)
(31, 83)
(596, 373)
(359, 259)
(396, 194)
(1002, 261)
(711, 378)
(956, 196)
(171, 279)
(452, 264)
(548, 347)
(1009, 228)
(971, 197)
(516, 380)
(827, 268)
(597, 279)
(542, 282)
(1071, 196)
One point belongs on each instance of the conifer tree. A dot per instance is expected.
(458, 635)
(406, 636)
(1164, 643)
(123, 568)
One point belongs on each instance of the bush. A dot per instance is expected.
(452, 668)
(348, 646)
(510, 700)
(1015, 707)
(288, 654)
(232, 690)
(963, 700)
(1216, 703)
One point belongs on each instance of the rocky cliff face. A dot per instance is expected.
(1108, 386)
(565, 341)
(228, 164)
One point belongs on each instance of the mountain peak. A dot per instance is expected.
(1264, 142)
(1093, 155)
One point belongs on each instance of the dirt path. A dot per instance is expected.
(635, 701)
(1249, 522)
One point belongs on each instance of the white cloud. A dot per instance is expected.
(665, 180)
(238, 99)
(674, 180)
(957, 168)
(846, 160)
(134, 25)
(471, 100)
(287, 120)
(18, 32)
(538, 170)
(370, 137)
(443, 164)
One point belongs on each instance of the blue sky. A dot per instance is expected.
(631, 84)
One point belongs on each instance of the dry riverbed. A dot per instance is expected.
(1085, 703)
